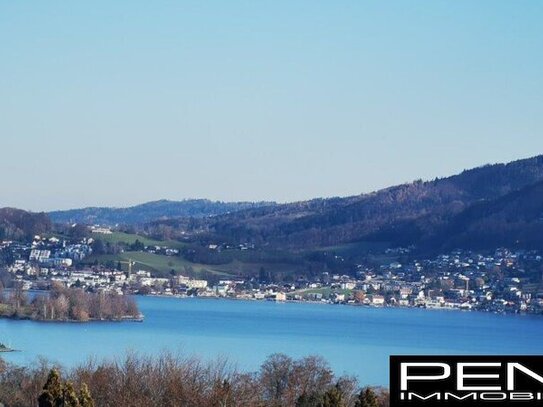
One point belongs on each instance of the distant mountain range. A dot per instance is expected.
(485, 207)
(150, 211)
(499, 204)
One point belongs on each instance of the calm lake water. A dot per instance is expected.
(355, 340)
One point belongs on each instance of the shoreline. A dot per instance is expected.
(127, 318)
(368, 306)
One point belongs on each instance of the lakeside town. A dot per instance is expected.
(500, 282)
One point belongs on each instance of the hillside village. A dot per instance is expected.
(502, 281)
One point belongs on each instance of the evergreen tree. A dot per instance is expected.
(51, 395)
(46, 399)
(313, 400)
(333, 398)
(137, 246)
(69, 396)
(58, 394)
(367, 398)
(85, 398)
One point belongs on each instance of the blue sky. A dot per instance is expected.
(117, 103)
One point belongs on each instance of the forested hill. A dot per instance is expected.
(514, 220)
(16, 224)
(150, 211)
(493, 205)
(406, 213)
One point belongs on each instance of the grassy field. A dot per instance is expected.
(232, 262)
(162, 265)
(130, 238)
(156, 263)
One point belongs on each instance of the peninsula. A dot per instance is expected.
(63, 304)
(4, 348)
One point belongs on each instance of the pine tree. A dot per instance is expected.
(51, 395)
(46, 399)
(333, 398)
(312, 400)
(69, 396)
(85, 398)
(367, 398)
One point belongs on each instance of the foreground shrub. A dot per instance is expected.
(169, 380)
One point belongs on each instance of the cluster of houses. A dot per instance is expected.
(45, 253)
(504, 281)
(103, 279)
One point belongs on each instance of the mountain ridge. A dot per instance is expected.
(331, 221)
(19, 224)
(443, 211)
(149, 211)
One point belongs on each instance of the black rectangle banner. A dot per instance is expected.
(466, 381)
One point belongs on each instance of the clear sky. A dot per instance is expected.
(121, 102)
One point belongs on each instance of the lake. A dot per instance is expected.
(354, 340)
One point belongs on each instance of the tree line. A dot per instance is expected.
(16, 224)
(62, 304)
(403, 215)
(169, 380)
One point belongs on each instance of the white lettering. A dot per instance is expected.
(437, 396)
(405, 378)
(460, 376)
(521, 396)
(511, 374)
(493, 396)
(448, 396)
